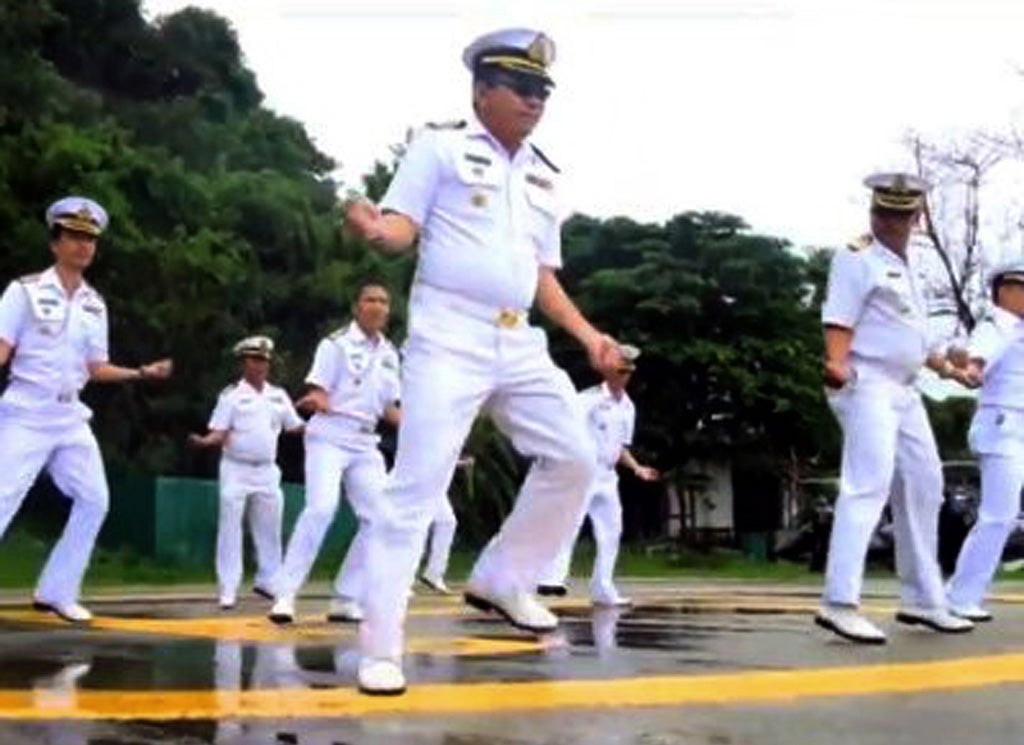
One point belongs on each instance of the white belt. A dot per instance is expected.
(506, 318)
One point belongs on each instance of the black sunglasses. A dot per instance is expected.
(523, 86)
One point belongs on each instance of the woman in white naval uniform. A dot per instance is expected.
(611, 419)
(876, 341)
(247, 422)
(353, 385)
(481, 200)
(53, 331)
(994, 358)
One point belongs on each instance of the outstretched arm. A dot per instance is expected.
(644, 473)
(106, 372)
(389, 232)
(215, 438)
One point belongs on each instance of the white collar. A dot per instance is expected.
(356, 334)
(51, 278)
(1004, 320)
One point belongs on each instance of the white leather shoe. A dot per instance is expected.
(227, 602)
(379, 676)
(283, 610)
(344, 610)
(518, 608)
(849, 624)
(435, 584)
(70, 612)
(973, 613)
(936, 619)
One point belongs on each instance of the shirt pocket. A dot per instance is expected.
(895, 293)
(474, 191)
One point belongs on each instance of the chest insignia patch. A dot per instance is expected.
(539, 181)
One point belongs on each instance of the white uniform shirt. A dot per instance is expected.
(55, 338)
(253, 420)
(361, 378)
(611, 422)
(999, 341)
(487, 221)
(880, 297)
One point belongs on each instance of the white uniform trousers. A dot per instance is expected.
(997, 436)
(886, 433)
(456, 363)
(329, 465)
(72, 457)
(258, 488)
(442, 534)
(604, 508)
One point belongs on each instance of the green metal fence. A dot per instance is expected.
(174, 520)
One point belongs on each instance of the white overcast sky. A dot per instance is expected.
(770, 109)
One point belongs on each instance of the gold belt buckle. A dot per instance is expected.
(508, 319)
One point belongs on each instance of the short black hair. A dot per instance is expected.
(366, 284)
(998, 283)
(891, 213)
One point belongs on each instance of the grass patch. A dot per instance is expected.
(22, 555)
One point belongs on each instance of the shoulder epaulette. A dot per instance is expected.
(228, 388)
(338, 333)
(30, 279)
(94, 294)
(860, 242)
(452, 124)
(547, 161)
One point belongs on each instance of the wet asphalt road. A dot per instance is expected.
(690, 663)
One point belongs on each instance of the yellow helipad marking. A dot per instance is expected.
(257, 629)
(442, 699)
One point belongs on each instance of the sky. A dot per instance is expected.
(773, 110)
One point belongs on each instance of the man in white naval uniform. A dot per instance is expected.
(442, 535)
(481, 199)
(611, 419)
(53, 332)
(994, 358)
(353, 385)
(876, 340)
(247, 421)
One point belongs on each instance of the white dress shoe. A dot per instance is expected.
(380, 676)
(283, 610)
(974, 613)
(70, 612)
(517, 607)
(435, 584)
(849, 624)
(344, 610)
(936, 619)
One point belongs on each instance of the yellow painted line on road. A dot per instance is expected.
(446, 699)
(257, 629)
